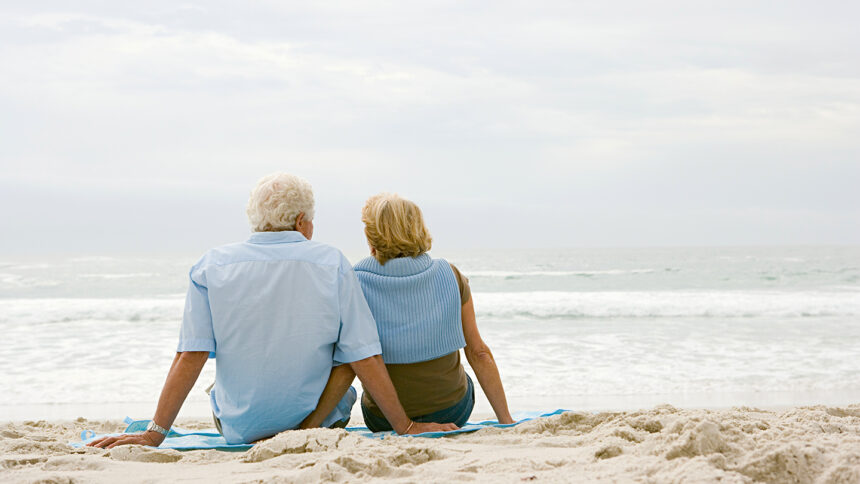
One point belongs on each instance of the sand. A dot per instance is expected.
(661, 445)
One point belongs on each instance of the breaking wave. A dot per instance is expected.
(495, 305)
(665, 304)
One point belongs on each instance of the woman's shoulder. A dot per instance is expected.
(457, 274)
(462, 282)
(369, 263)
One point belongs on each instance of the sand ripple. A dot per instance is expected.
(818, 445)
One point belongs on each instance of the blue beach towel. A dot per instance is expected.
(180, 439)
(177, 438)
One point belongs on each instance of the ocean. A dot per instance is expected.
(587, 329)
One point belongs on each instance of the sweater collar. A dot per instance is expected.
(400, 267)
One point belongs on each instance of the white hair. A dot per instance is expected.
(277, 200)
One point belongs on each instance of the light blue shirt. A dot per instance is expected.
(276, 312)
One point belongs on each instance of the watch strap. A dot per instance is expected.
(157, 428)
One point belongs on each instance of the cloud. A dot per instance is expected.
(536, 110)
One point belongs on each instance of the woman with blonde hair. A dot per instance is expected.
(424, 314)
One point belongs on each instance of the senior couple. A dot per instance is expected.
(291, 324)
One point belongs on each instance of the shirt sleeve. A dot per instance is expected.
(197, 333)
(358, 337)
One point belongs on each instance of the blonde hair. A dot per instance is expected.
(277, 200)
(394, 227)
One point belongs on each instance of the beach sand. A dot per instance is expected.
(808, 444)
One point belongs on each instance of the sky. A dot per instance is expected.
(142, 126)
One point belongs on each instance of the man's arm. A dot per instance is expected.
(183, 374)
(373, 375)
(339, 380)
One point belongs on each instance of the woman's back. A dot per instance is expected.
(424, 315)
(416, 304)
(410, 331)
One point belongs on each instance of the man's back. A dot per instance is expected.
(277, 311)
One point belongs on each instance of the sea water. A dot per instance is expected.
(570, 328)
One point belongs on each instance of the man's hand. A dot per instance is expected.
(421, 427)
(151, 438)
(181, 377)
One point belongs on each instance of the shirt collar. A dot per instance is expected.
(283, 237)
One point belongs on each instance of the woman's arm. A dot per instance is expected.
(481, 360)
(339, 380)
(183, 374)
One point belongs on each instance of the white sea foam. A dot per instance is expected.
(18, 281)
(518, 274)
(68, 310)
(665, 304)
(537, 305)
(132, 275)
(37, 266)
(11, 279)
(93, 258)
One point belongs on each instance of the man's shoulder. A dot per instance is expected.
(222, 254)
(305, 251)
(323, 253)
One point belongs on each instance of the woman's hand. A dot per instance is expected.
(150, 438)
(421, 427)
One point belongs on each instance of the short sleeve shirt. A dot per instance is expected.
(276, 312)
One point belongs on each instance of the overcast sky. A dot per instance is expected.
(142, 126)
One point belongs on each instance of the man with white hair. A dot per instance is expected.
(288, 325)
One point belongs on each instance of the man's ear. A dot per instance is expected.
(300, 220)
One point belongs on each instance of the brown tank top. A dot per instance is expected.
(428, 386)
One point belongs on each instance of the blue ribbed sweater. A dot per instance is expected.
(416, 304)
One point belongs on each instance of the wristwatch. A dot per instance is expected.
(157, 428)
